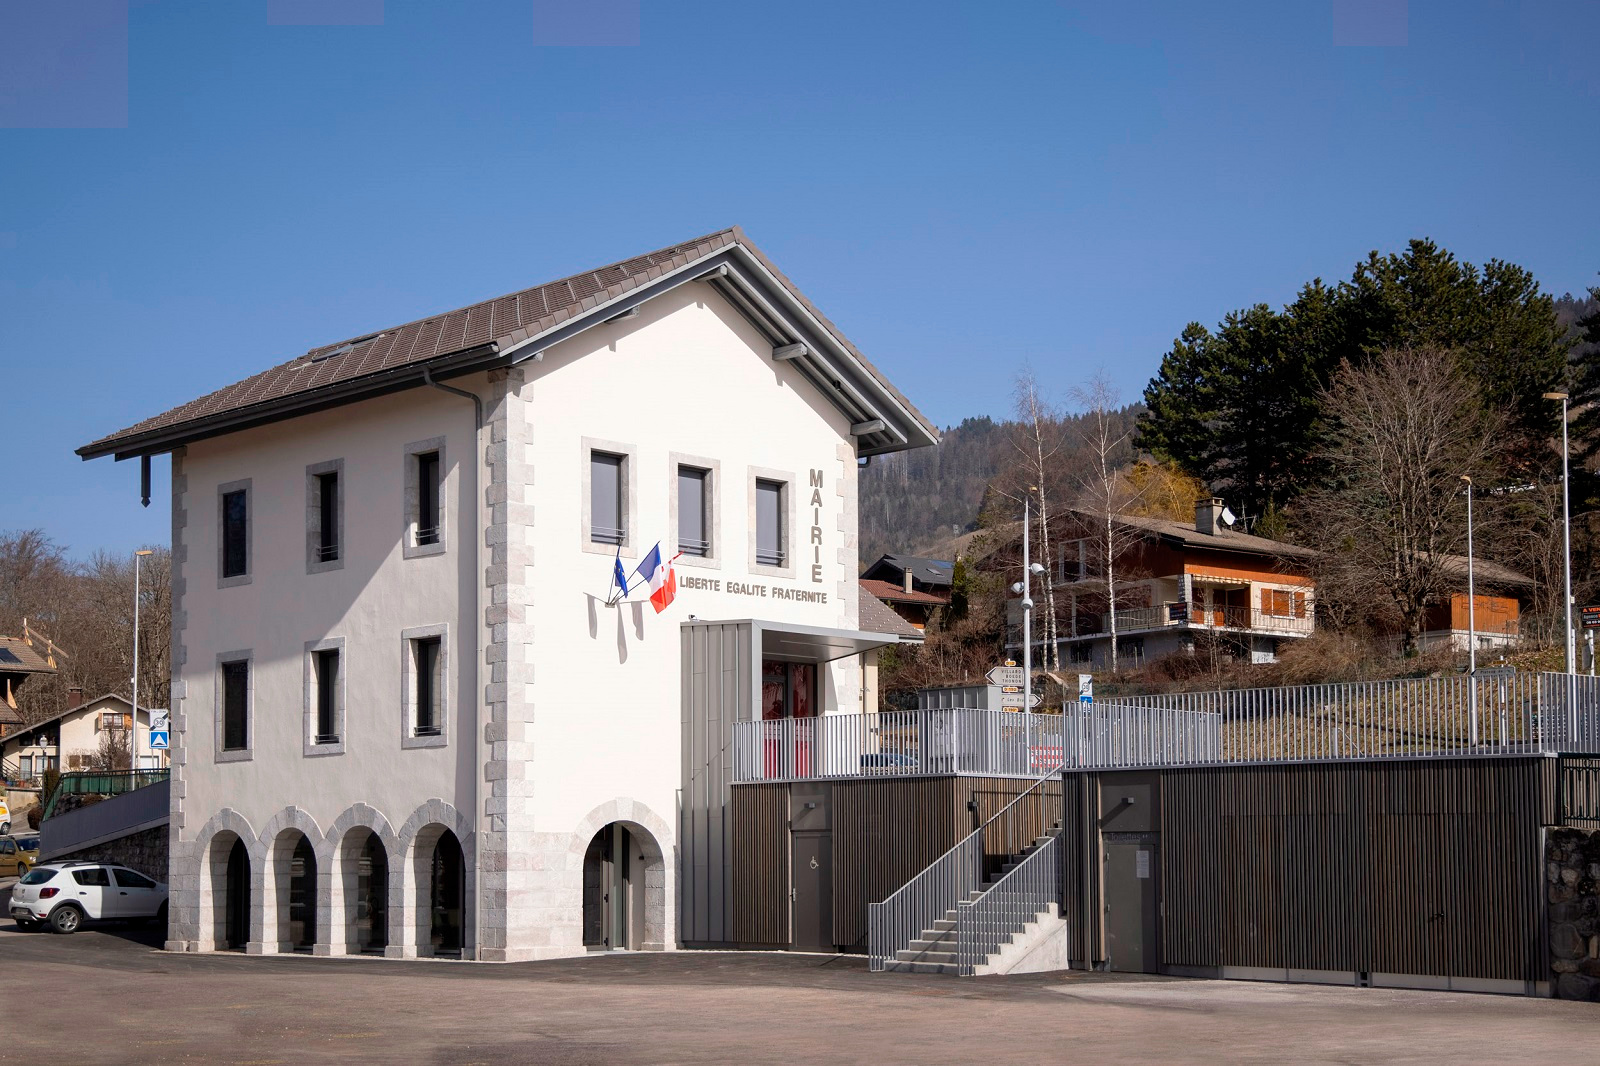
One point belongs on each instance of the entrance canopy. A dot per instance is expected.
(814, 644)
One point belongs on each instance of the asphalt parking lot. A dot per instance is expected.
(110, 996)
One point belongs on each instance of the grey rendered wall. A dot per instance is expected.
(718, 690)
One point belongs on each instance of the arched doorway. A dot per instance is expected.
(367, 892)
(236, 898)
(447, 893)
(301, 902)
(617, 865)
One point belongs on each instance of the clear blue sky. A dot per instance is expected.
(963, 188)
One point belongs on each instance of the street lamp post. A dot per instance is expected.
(1472, 619)
(1472, 598)
(1025, 587)
(1566, 533)
(133, 724)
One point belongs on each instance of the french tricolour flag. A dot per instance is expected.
(663, 580)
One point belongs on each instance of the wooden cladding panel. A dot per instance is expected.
(1404, 867)
(884, 832)
(760, 897)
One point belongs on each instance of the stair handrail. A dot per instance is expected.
(926, 889)
(1007, 906)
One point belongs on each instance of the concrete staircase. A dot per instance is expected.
(935, 950)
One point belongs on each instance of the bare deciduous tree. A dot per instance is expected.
(87, 610)
(1034, 474)
(1103, 492)
(1407, 425)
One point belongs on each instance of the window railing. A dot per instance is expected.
(328, 552)
(427, 535)
(700, 548)
(425, 731)
(770, 557)
(326, 738)
(607, 534)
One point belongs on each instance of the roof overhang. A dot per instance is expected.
(788, 643)
(881, 420)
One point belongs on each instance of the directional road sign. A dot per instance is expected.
(1007, 676)
(1019, 699)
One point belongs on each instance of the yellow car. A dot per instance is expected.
(18, 854)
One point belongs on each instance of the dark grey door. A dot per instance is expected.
(1132, 902)
(812, 878)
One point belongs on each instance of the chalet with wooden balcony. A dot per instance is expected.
(1176, 587)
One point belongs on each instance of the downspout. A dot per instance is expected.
(477, 657)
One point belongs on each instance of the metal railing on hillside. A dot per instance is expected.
(967, 742)
(1437, 717)
(987, 923)
(102, 783)
(1433, 717)
(955, 875)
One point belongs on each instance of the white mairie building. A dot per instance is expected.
(407, 717)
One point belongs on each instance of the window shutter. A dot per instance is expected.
(1299, 604)
(1266, 601)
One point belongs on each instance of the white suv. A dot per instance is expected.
(67, 894)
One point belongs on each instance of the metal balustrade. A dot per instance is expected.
(1441, 717)
(986, 924)
(928, 897)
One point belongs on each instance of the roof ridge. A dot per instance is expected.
(518, 293)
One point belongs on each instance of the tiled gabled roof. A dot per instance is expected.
(485, 326)
(506, 319)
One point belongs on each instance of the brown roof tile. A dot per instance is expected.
(506, 319)
(889, 592)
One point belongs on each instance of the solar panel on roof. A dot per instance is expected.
(9, 656)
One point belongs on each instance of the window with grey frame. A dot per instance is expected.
(235, 533)
(428, 497)
(326, 665)
(427, 686)
(236, 705)
(694, 511)
(771, 537)
(607, 522)
(327, 516)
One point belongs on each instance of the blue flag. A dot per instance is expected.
(619, 576)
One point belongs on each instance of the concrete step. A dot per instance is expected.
(948, 957)
(932, 941)
(896, 966)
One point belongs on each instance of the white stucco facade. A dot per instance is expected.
(561, 715)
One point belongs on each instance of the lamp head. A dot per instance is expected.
(1555, 396)
(1036, 568)
(1016, 586)
(145, 551)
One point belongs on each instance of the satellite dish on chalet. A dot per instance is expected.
(1228, 517)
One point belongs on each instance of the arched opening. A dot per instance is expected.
(366, 892)
(447, 893)
(236, 897)
(290, 902)
(624, 886)
(302, 901)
